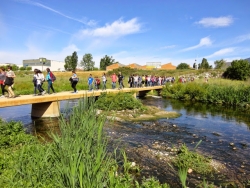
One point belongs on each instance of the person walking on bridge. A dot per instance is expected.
(2, 79)
(50, 79)
(90, 82)
(104, 81)
(9, 81)
(38, 82)
(114, 80)
(120, 80)
(74, 80)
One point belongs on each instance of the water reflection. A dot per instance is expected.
(43, 127)
(213, 110)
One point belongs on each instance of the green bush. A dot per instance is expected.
(239, 70)
(119, 101)
(13, 134)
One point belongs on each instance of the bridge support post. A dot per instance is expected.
(45, 109)
(143, 93)
(135, 95)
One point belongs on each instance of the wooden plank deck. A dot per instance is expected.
(67, 95)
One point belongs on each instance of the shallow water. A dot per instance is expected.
(215, 125)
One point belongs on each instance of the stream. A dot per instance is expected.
(224, 133)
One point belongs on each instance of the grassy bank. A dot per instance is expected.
(235, 93)
(77, 157)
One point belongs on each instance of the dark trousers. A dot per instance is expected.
(50, 85)
(39, 87)
(73, 85)
(3, 89)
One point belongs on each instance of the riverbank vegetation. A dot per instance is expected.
(77, 157)
(125, 107)
(219, 91)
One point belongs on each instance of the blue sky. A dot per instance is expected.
(131, 31)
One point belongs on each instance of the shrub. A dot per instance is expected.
(119, 101)
(239, 70)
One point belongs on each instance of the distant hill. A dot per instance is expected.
(248, 59)
(229, 63)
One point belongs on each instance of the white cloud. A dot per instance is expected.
(222, 52)
(168, 47)
(243, 38)
(34, 52)
(223, 21)
(116, 29)
(83, 20)
(206, 41)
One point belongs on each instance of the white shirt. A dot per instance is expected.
(39, 78)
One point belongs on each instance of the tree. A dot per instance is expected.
(194, 65)
(204, 64)
(183, 66)
(74, 60)
(219, 63)
(14, 67)
(71, 61)
(87, 62)
(239, 70)
(68, 64)
(28, 68)
(106, 61)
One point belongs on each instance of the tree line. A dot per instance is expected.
(87, 62)
(238, 70)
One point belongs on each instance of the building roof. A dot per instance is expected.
(134, 65)
(168, 66)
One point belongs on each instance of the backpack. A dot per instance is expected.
(52, 76)
(98, 81)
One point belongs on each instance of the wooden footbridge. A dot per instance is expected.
(48, 105)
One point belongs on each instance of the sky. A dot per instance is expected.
(131, 31)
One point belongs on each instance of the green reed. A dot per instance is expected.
(230, 93)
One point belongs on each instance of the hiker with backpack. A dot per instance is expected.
(97, 83)
(50, 79)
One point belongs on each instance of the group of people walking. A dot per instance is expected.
(134, 80)
(39, 79)
(7, 79)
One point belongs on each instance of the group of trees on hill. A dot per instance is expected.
(203, 65)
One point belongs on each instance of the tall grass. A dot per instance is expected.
(80, 151)
(225, 92)
(76, 157)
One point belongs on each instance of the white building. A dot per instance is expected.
(155, 65)
(43, 63)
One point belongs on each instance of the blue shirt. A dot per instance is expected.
(90, 80)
